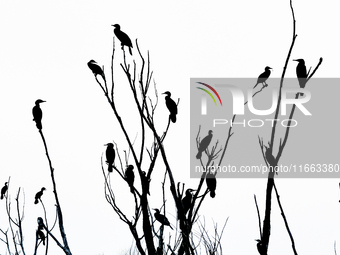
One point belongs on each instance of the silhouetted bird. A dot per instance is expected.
(211, 184)
(110, 156)
(172, 106)
(38, 195)
(161, 218)
(263, 77)
(146, 182)
(96, 69)
(4, 190)
(123, 38)
(270, 158)
(37, 113)
(41, 236)
(301, 73)
(187, 200)
(130, 176)
(204, 144)
(40, 223)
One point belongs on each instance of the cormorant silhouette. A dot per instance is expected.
(211, 184)
(204, 144)
(301, 73)
(110, 156)
(263, 77)
(161, 218)
(37, 113)
(187, 200)
(123, 38)
(270, 158)
(172, 106)
(130, 176)
(41, 235)
(38, 195)
(4, 190)
(96, 69)
(146, 182)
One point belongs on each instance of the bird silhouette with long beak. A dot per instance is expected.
(96, 69)
(4, 190)
(211, 184)
(130, 177)
(37, 113)
(161, 218)
(263, 77)
(270, 158)
(204, 144)
(110, 156)
(187, 200)
(123, 38)
(171, 105)
(301, 73)
(38, 195)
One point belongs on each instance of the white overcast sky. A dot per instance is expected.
(44, 50)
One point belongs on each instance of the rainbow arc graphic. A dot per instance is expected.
(209, 93)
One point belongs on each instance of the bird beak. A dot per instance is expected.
(43, 101)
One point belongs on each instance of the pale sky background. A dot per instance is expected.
(45, 47)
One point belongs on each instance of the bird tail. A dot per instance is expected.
(173, 118)
(130, 51)
(39, 126)
(36, 201)
(2, 196)
(212, 193)
(110, 168)
(199, 155)
(255, 86)
(131, 189)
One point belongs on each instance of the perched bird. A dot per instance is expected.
(122, 37)
(110, 156)
(40, 223)
(38, 195)
(187, 200)
(96, 69)
(4, 190)
(204, 144)
(301, 73)
(146, 182)
(161, 218)
(263, 77)
(172, 106)
(270, 158)
(211, 184)
(41, 236)
(37, 113)
(130, 176)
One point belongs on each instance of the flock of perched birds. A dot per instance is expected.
(129, 176)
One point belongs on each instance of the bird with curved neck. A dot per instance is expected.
(96, 69)
(123, 38)
(171, 105)
(38, 195)
(37, 113)
(263, 77)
